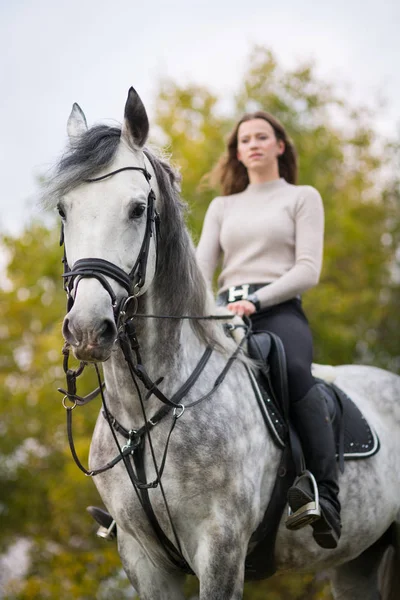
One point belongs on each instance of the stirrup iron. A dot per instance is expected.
(309, 512)
(107, 534)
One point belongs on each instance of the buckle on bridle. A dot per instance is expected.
(125, 304)
(181, 409)
(133, 441)
(73, 403)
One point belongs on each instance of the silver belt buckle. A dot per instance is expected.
(238, 293)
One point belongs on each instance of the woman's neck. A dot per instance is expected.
(263, 176)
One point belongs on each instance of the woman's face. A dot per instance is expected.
(257, 147)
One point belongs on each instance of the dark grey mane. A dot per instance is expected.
(178, 283)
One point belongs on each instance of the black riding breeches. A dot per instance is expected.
(288, 321)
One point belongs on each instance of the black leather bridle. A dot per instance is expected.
(100, 268)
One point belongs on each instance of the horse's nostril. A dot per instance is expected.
(70, 335)
(108, 331)
(65, 330)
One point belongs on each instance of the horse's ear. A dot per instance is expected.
(136, 124)
(76, 123)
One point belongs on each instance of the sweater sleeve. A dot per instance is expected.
(209, 250)
(309, 239)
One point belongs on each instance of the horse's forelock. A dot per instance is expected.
(86, 155)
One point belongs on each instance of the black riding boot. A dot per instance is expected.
(313, 424)
(108, 527)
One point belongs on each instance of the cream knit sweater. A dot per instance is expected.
(270, 233)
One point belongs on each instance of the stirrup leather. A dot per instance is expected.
(107, 534)
(309, 512)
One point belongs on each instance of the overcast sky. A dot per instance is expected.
(54, 53)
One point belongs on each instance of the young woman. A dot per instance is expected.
(269, 233)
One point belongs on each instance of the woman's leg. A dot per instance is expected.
(288, 321)
(311, 419)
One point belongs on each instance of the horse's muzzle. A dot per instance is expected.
(90, 344)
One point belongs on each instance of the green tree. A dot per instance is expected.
(43, 495)
(343, 156)
(194, 133)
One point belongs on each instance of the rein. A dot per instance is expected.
(135, 438)
(138, 371)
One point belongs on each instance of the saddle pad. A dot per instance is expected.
(359, 440)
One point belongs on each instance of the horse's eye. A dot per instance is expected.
(61, 212)
(137, 211)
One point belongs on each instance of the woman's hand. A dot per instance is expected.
(242, 308)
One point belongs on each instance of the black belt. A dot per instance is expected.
(238, 292)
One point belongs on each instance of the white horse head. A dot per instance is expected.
(105, 219)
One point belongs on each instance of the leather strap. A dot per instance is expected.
(175, 556)
(93, 267)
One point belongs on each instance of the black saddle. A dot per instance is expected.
(355, 439)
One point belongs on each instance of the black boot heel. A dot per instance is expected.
(326, 531)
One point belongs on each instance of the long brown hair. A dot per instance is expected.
(231, 175)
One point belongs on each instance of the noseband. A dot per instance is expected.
(99, 269)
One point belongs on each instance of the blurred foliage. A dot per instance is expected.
(42, 493)
(353, 313)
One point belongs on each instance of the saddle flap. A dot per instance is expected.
(267, 348)
(259, 346)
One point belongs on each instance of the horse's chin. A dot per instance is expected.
(91, 353)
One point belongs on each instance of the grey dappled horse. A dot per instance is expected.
(221, 463)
